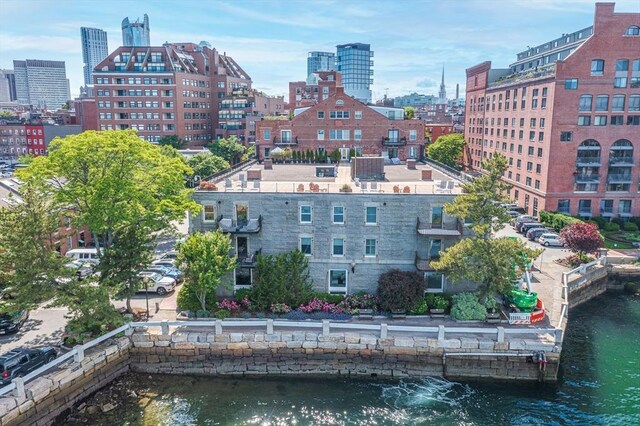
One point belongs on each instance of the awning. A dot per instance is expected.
(439, 232)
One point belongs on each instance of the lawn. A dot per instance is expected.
(620, 239)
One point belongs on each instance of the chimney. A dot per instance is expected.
(339, 90)
(603, 17)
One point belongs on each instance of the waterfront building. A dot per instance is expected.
(318, 86)
(570, 127)
(136, 33)
(321, 61)
(94, 50)
(41, 83)
(7, 86)
(395, 221)
(343, 123)
(355, 64)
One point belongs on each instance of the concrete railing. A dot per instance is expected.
(584, 272)
(268, 325)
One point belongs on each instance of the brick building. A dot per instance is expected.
(17, 138)
(344, 123)
(570, 128)
(318, 87)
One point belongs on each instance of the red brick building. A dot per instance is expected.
(318, 87)
(343, 123)
(17, 139)
(570, 128)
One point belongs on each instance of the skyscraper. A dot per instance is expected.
(354, 62)
(136, 33)
(94, 50)
(7, 86)
(321, 61)
(41, 83)
(442, 94)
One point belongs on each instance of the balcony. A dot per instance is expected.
(587, 178)
(621, 161)
(250, 226)
(423, 264)
(285, 141)
(439, 229)
(248, 261)
(619, 178)
(588, 161)
(394, 141)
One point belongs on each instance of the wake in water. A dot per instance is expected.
(430, 391)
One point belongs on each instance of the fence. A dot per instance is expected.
(585, 273)
(447, 170)
(382, 330)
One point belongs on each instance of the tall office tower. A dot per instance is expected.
(7, 86)
(442, 94)
(41, 83)
(136, 33)
(354, 62)
(320, 61)
(94, 50)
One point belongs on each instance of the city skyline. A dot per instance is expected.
(411, 43)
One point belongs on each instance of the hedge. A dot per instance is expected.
(557, 220)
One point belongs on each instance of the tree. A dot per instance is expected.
(6, 114)
(582, 237)
(229, 149)
(400, 290)
(26, 159)
(492, 263)
(206, 164)
(447, 149)
(480, 198)
(409, 113)
(205, 259)
(250, 154)
(29, 265)
(172, 140)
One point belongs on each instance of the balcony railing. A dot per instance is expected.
(248, 261)
(587, 178)
(619, 178)
(614, 161)
(394, 141)
(232, 226)
(454, 229)
(286, 141)
(588, 161)
(423, 264)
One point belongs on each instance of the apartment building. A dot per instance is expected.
(33, 138)
(570, 127)
(318, 86)
(349, 238)
(344, 123)
(354, 62)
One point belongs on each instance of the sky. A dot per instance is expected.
(412, 39)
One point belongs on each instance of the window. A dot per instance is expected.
(585, 103)
(617, 120)
(600, 120)
(532, 123)
(339, 114)
(564, 206)
(338, 281)
(538, 168)
(370, 247)
(542, 123)
(371, 215)
(597, 67)
(539, 152)
(357, 134)
(320, 115)
(305, 214)
(338, 214)
(633, 120)
(337, 247)
(602, 103)
(634, 103)
(633, 30)
(571, 84)
(434, 249)
(434, 281)
(566, 136)
(584, 207)
(338, 134)
(208, 213)
(413, 135)
(306, 245)
(436, 217)
(357, 115)
(584, 120)
(624, 207)
(617, 104)
(266, 134)
(320, 134)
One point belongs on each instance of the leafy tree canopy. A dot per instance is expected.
(173, 141)
(447, 149)
(229, 149)
(409, 113)
(582, 237)
(206, 164)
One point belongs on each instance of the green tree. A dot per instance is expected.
(447, 149)
(205, 260)
(229, 149)
(409, 113)
(6, 114)
(206, 164)
(26, 159)
(173, 141)
(250, 153)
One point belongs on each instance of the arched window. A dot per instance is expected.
(621, 153)
(633, 30)
(588, 153)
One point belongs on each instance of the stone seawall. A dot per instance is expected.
(588, 291)
(48, 396)
(300, 353)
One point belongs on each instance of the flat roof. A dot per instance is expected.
(293, 178)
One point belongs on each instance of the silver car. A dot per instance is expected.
(550, 239)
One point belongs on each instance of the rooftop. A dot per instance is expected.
(292, 178)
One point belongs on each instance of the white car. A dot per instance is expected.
(156, 283)
(83, 269)
(550, 239)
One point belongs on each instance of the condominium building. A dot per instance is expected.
(94, 50)
(174, 89)
(570, 128)
(349, 238)
(41, 83)
(136, 33)
(318, 86)
(355, 64)
(320, 61)
(343, 123)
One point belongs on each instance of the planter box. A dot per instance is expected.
(398, 315)
(436, 313)
(365, 314)
(493, 318)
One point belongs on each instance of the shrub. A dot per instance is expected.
(280, 308)
(222, 314)
(582, 237)
(361, 301)
(441, 302)
(630, 227)
(203, 314)
(229, 305)
(557, 220)
(600, 221)
(466, 307)
(636, 220)
(611, 227)
(400, 290)
(187, 300)
(241, 294)
(618, 220)
(331, 298)
(421, 308)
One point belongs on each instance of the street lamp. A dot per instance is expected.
(146, 293)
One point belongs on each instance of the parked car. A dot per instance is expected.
(534, 233)
(83, 269)
(169, 263)
(22, 361)
(156, 283)
(166, 271)
(531, 225)
(172, 254)
(521, 221)
(551, 239)
(11, 322)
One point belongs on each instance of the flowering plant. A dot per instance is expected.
(280, 308)
(229, 305)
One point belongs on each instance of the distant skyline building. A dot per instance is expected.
(442, 94)
(94, 50)
(320, 61)
(7, 86)
(41, 83)
(136, 33)
(355, 64)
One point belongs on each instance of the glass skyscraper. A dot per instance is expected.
(94, 50)
(320, 61)
(355, 64)
(136, 33)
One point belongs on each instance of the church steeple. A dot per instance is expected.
(442, 95)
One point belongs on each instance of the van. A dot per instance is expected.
(89, 255)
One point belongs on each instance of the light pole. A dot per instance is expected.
(146, 294)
